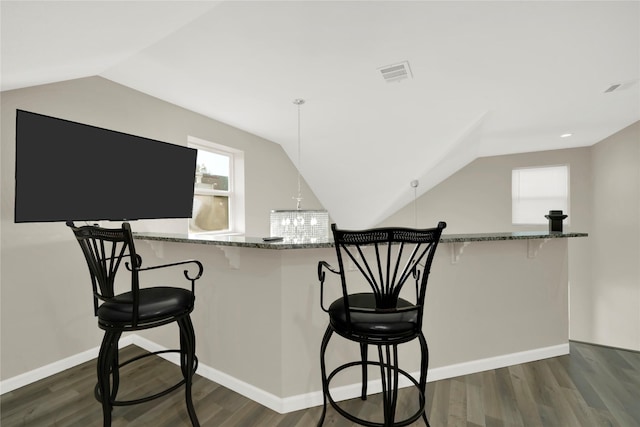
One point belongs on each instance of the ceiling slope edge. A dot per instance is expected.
(462, 152)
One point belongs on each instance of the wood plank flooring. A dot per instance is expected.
(593, 386)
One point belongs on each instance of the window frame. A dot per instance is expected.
(235, 192)
(542, 220)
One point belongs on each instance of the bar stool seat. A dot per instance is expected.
(154, 304)
(394, 325)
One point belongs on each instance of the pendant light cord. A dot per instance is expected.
(415, 184)
(299, 102)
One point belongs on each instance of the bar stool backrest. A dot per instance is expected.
(386, 258)
(105, 251)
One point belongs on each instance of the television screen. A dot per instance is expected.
(72, 171)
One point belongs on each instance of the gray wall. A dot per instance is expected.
(46, 302)
(605, 202)
(477, 198)
(608, 311)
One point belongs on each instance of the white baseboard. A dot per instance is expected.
(38, 374)
(308, 400)
(254, 393)
(496, 362)
(291, 403)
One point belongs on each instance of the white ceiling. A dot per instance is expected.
(489, 78)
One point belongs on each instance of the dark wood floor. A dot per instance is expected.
(593, 386)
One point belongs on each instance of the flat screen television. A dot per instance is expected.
(72, 171)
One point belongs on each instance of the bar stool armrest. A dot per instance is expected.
(194, 262)
(322, 265)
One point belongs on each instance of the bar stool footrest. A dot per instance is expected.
(409, 420)
(153, 396)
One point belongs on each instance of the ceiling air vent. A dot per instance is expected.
(396, 72)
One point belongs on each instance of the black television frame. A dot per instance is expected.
(70, 171)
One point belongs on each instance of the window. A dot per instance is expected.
(218, 199)
(536, 191)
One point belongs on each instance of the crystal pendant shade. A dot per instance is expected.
(300, 226)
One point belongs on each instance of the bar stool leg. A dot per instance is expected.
(364, 357)
(389, 377)
(323, 370)
(187, 363)
(424, 350)
(107, 356)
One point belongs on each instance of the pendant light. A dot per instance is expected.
(299, 225)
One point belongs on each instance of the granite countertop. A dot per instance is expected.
(259, 243)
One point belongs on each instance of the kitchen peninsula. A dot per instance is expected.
(494, 299)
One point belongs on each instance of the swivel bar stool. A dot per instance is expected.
(386, 259)
(105, 251)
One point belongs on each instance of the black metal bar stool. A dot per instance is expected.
(385, 259)
(106, 250)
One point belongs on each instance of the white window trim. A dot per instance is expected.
(236, 185)
(568, 207)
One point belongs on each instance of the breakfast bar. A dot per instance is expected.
(494, 299)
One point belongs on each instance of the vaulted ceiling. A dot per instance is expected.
(484, 78)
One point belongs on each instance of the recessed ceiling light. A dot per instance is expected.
(566, 135)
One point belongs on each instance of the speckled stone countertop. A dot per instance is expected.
(259, 243)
